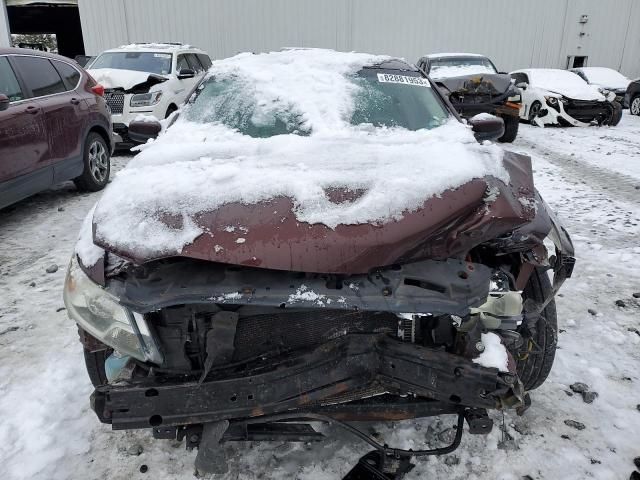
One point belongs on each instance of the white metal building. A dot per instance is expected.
(514, 33)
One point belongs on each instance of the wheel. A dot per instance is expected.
(634, 105)
(534, 367)
(94, 362)
(616, 116)
(533, 111)
(510, 128)
(170, 110)
(97, 164)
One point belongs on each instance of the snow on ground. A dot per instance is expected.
(47, 430)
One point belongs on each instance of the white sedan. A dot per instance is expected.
(560, 97)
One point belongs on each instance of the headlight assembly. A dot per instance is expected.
(98, 312)
(145, 99)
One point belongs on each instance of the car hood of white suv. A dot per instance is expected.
(125, 79)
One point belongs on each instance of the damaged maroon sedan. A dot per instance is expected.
(316, 237)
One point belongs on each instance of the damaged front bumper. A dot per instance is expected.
(342, 370)
(573, 112)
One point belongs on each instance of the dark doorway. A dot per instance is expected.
(576, 61)
(61, 20)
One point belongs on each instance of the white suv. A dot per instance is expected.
(148, 79)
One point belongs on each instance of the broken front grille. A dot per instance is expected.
(294, 330)
(115, 101)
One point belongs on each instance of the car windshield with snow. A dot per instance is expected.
(315, 236)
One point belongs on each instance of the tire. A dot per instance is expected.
(511, 124)
(94, 362)
(634, 105)
(533, 111)
(97, 164)
(616, 116)
(534, 368)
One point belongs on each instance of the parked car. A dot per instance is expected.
(298, 244)
(473, 85)
(607, 80)
(147, 79)
(54, 125)
(632, 97)
(560, 97)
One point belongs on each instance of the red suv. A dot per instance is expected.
(54, 125)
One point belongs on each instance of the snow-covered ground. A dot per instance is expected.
(591, 176)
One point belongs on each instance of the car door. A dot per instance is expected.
(75, 113)
(23, 139)
(184, 61)
(61, 109)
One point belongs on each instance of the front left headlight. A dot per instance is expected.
(145, 99)
(100, 314)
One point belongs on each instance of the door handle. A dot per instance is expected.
(74, 101)
(32, 109)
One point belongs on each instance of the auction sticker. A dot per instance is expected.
(404, 79)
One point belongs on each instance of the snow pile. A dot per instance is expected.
(448, 71)
(152, 206)
(563, 82)
(483, 116)
(606, 77)
(494, 354)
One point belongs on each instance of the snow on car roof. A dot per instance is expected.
(197, 167)
(605, 77)
(436, 55)
(151, 47)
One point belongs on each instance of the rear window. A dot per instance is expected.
(39, 75)
(70, 75)
(9, 85)
(204, 60)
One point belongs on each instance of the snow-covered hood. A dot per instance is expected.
(567, 84)
(125, 79)
(321, 204)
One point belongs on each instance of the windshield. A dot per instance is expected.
(391, 100)
(458, 66)
(380, 99)
(159, 63)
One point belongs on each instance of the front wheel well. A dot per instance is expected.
(103, 133)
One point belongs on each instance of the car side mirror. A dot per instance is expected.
(186, 73)
(142, 130)
(521, 85)
(486, 127)
(4, 102)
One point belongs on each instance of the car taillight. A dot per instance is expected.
(98, 90)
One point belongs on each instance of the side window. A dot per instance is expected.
(520, 78)
(9, 85)
(70, 75)
(204, 60)
(39, 75)
(194, 63)
(181, 63)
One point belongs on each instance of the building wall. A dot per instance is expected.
(5, 38)
(514, 33)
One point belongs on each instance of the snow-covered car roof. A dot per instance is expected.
(201, 163)
(155, 47)
(562, 82)
(438, 55)
(605, 77)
